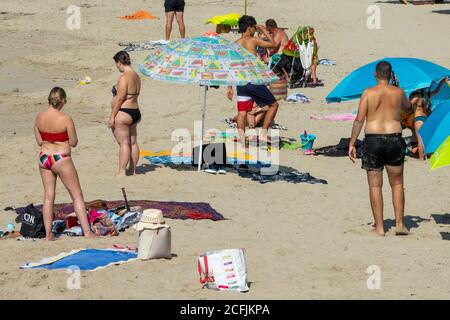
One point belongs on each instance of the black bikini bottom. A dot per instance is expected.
(135, 114)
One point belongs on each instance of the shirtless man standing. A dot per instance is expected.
(251, 93)
(383, 145)
(279, 36)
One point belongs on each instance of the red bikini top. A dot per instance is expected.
(54, 137)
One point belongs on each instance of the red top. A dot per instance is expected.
(54, 137)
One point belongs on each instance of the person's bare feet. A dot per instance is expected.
(401, 231)
(121, 175)
(379, 231)
(404, 1)
(50, 237)
(91, 235)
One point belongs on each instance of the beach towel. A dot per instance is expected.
(298, 98)
(139, 15)
(335, 117)
(287, 176)
(167, 160)
(170, 209)
(160, 42)
(139, 47)
(166, 157)
(340, 150)
(84, 259)
(143, 45)
(327, 62)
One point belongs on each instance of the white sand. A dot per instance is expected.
(303, 241)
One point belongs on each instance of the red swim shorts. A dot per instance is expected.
(244, 104)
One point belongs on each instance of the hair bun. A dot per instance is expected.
(122, 57)
(57, 97)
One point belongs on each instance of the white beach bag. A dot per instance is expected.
(155, 244)
(223, 270)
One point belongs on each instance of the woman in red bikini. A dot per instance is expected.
(125, 114)
(55, 134)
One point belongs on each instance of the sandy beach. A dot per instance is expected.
(302, 241)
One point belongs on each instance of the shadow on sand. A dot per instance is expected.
(443, 218)
(411, 222)
(441, 11)
(144, 168)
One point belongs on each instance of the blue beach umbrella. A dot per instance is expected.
(441, 97)
(436, 128)
(412, 74)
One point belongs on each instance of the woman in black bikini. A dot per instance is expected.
(125, 114)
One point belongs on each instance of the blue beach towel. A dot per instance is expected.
(188, 160)
(169, 160)
(84, 259)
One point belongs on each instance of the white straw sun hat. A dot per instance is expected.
(151, 219)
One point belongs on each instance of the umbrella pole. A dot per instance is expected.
(245, 7)
(200, 151)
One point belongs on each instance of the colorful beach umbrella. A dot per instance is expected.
(436, 128)
(231, 19)
(206, 61)
(412, 74)
(441, 157)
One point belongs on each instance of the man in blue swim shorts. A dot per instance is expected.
(249, 94)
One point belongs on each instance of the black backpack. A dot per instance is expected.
(32, 223)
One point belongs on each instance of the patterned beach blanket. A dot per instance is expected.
(170, 209)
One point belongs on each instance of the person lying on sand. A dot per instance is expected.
(383, 145)
(255, 117)
(55, 133)
(251, 93)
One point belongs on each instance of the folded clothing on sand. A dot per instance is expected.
(298, 98)
(84, 259)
